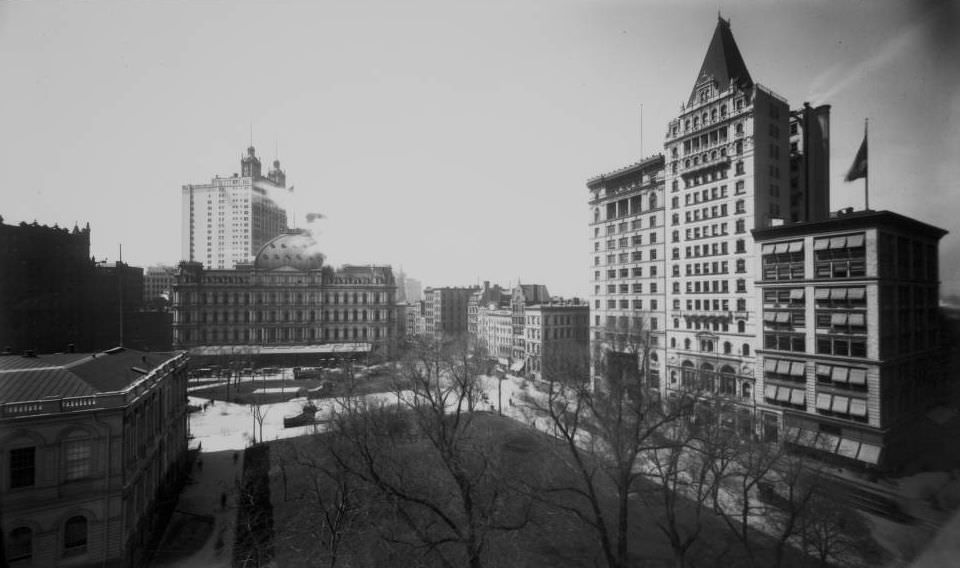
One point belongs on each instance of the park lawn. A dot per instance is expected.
(552, 537)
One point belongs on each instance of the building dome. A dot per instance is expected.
(295, 249)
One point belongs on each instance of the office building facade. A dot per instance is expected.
(446, 311)
(853, 351)
(225, 222)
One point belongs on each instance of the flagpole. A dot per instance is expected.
(866, 173)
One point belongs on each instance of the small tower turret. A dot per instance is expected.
(276, 175)
(250, 164)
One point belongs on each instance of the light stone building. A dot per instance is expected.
(226, 221)
(94, 451)
(687, 260)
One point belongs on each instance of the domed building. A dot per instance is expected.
(286, 297)
(295, 249)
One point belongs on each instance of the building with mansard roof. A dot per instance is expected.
(286, 296)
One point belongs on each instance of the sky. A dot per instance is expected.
(450, 138)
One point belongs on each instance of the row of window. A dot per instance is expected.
(19, 547)
(187, 317)
(836, 298)
(624, 242)
(712, 249)
(710, 286)
(626, 207)
(786, 396)
(246, 298)
(275, 334)
(708, 346)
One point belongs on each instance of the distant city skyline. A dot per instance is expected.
(454, 139)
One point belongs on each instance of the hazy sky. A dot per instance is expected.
(451, 138)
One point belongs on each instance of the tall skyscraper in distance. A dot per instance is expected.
(226, 221)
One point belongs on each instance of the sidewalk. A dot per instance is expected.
(200, 533)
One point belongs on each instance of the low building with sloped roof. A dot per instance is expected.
(92, 445)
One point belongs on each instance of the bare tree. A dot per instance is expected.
(687, 470)
(742, 465)
(259, 411)
(338, 504)
(427, 458)
(832, 532)
(604, 431)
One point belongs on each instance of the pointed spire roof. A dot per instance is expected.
(723, 62)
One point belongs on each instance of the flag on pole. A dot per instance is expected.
(859, 167)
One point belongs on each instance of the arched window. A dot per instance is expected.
(686, 343)
(741, 326)
(673, 342)
(728, 382)
(727, 347)
(20, 545)
(688, 374)
(706, 377)
(746, 348)
(746, 390)
(75, 536)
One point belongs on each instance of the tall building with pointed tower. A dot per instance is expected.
(673, 261)
(226, 221)
(727, 173)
